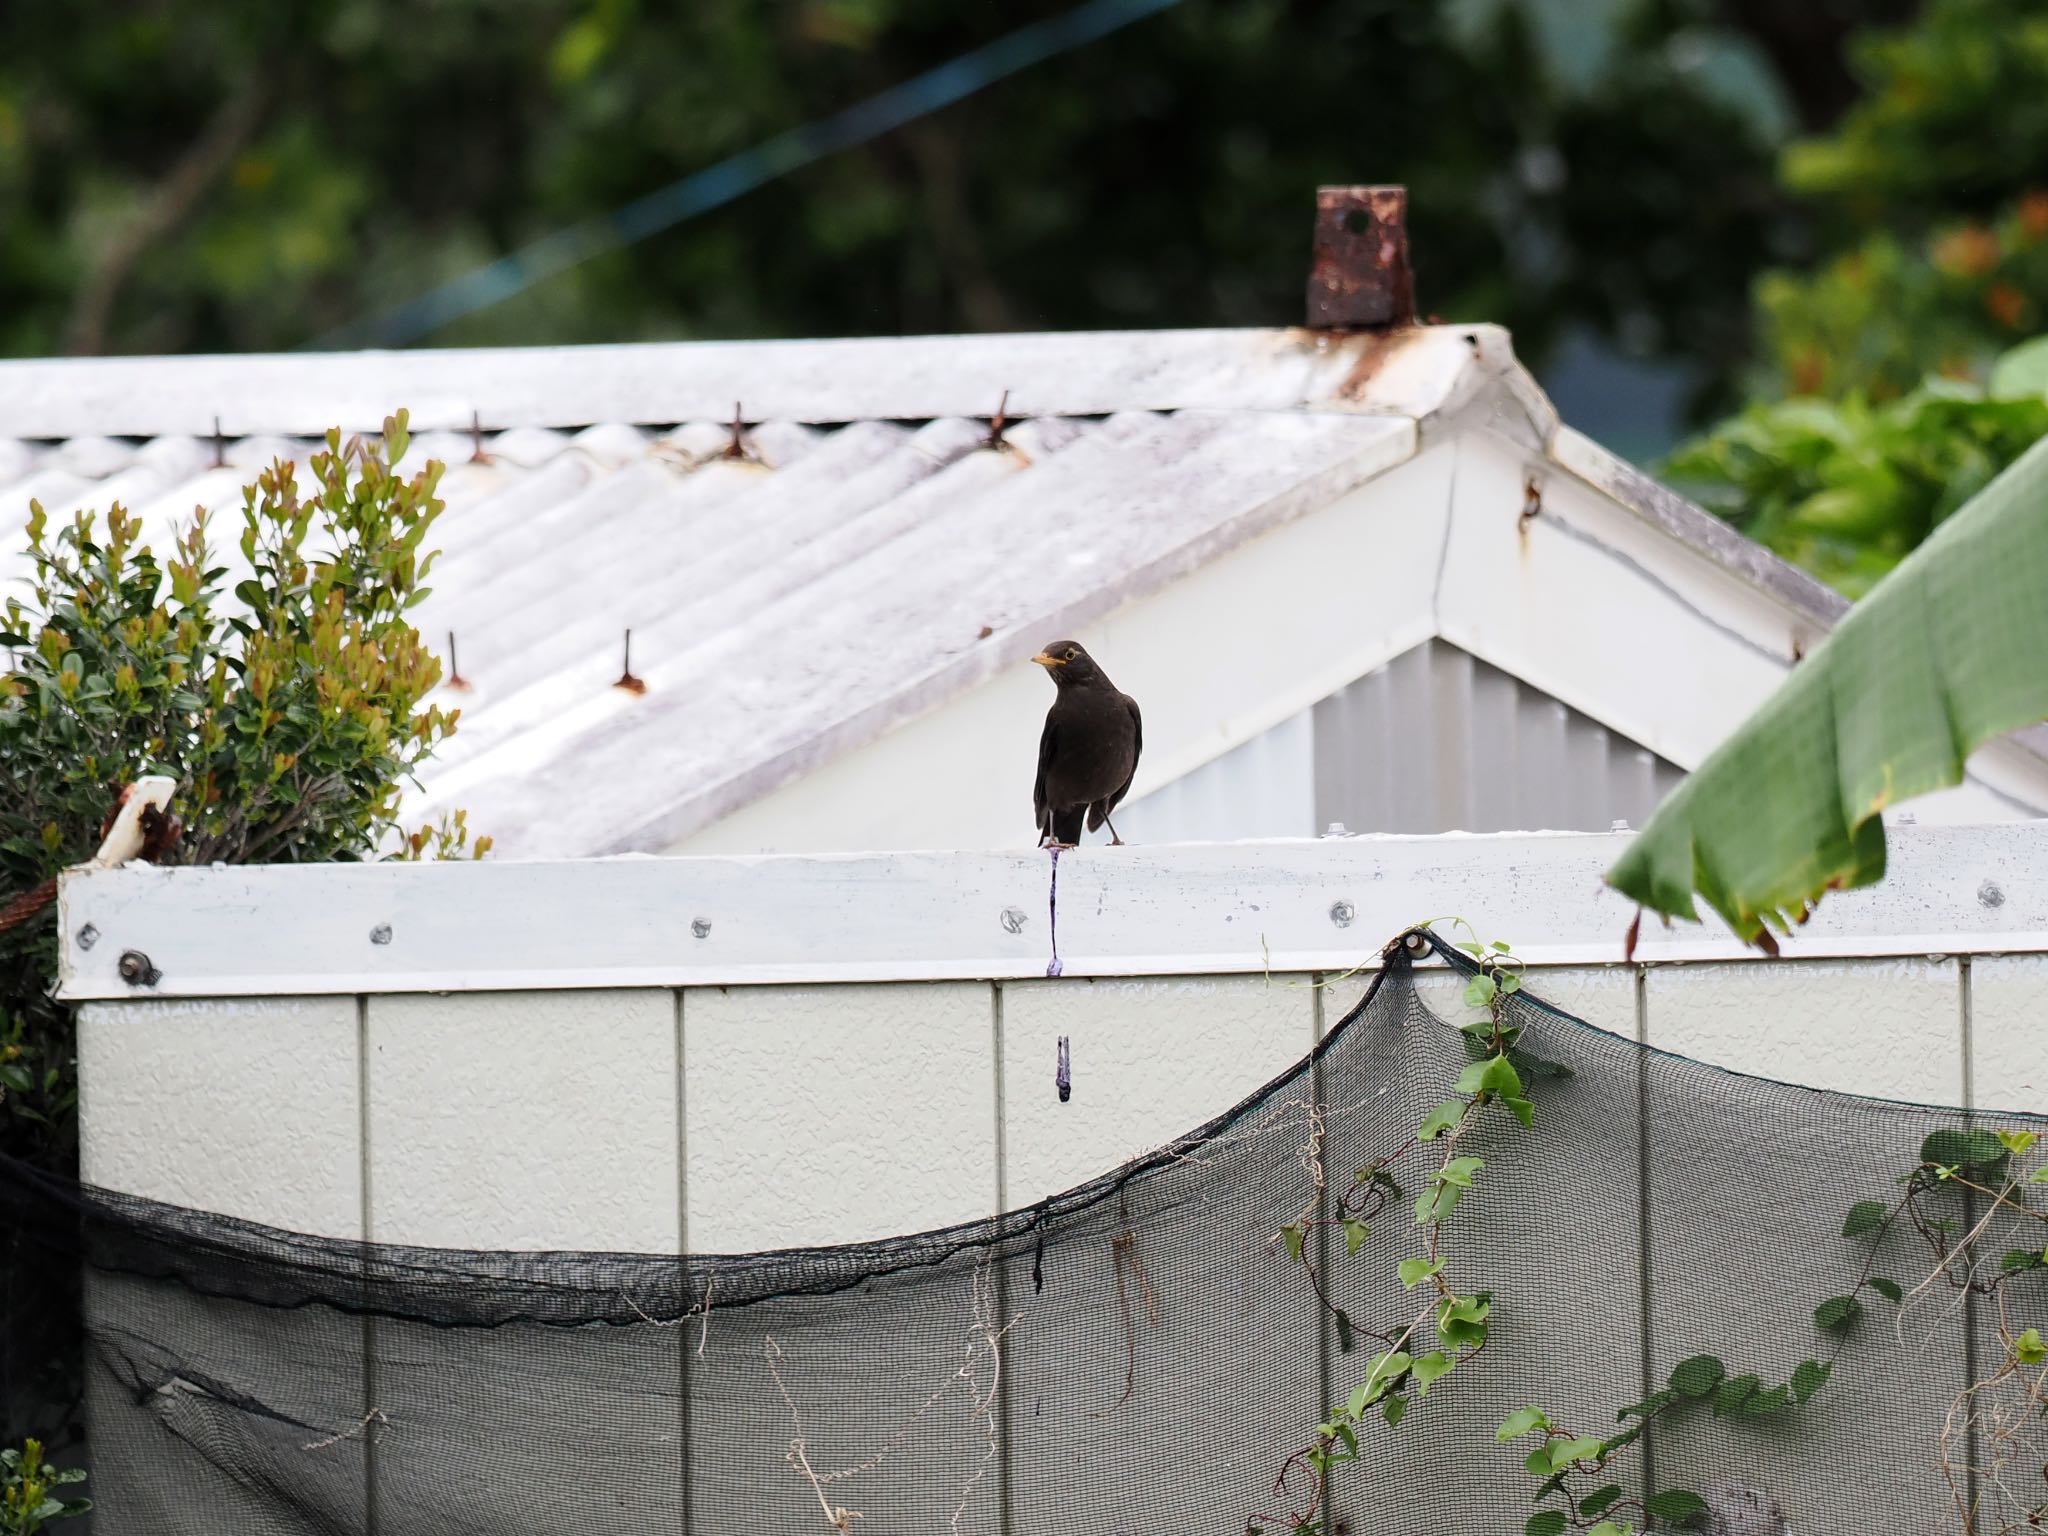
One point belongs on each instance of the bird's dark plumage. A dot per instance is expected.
(1088, 752)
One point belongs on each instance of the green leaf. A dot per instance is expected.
(1545, 1522)
(1394, 1410)
(1599, 1501)
(1974, 1151)
(1415, 1271)
(1565, 1453)
(1355, 1234)
(1295, 1235)
(1735, 1392)
(2021, 373)
(1441, 1119)
(1942, 656)
(1888, 1289)
(2017, 1142)
(1698, 1376)
(1519, 1423)
(1675, 1504)
(1345, 1341)
(1479, 991)
(1459, 1171)
(2028, 1348)
(1864, 1216)
(1838, 1314)
(1521, 1109)
(1430, 1367)
(1809, 1378)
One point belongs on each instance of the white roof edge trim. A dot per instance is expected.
(1411, 372)
(1218, 908)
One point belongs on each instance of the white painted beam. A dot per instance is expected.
(1191, 909)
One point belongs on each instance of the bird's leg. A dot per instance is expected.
(1114, 840)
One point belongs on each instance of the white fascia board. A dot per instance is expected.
(1193, 909)
(1406, 373)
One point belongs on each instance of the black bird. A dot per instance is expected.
(1089, 751)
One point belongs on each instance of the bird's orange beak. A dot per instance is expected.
(1049, 661)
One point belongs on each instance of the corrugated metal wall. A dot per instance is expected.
(1435, 741)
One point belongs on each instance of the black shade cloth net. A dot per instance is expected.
(1143, 1355)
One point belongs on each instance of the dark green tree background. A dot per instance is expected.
(182, 175)
(1679, 206)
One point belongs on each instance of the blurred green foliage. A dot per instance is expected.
(1847, 488)
(1893, 376)
(1934, 192)
(228, 174)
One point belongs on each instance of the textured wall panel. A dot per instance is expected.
(245, 1107)
(1891, 1029)
(818, 1115)
(524, 1120)
(1151, 1060)
(2009, 1032)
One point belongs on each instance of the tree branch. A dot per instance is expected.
(166, 207)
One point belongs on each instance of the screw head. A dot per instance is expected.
(88, 936)
(701, 926)
(1341, 914)
(1989, 895)
(1013, 920)
(381, 934)
(136, 970)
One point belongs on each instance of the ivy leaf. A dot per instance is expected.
(1698, 1376)
(1394, 1410)
(2017, 1142)
(2028, 1348)
(1443, 1118)
(1355, 1234)
(1734, 1393)
(1545, 1522)
(1889, 1289)
(1295, 1234)
(1428, 1368)
(1599, 1501)
(1675, 1504)
(1459, 1171)
(1522, 1110)
(1345, 1342)
(1809, 1378)
(1519, 1423)
(1837, 1314)
(2018, 1259)
(1774, 1401)
(1864, 1216)
(1414, 1271)
(1479, 991)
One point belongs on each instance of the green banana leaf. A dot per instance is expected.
(1947, 652)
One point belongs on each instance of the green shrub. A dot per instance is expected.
(291, 718)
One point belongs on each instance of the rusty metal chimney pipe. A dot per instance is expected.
(1358, 277)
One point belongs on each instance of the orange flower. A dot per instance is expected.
(1971, 251)
(2008, 306)
(2033, 215)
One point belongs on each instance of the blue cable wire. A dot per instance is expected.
(719, 184)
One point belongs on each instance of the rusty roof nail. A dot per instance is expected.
(1359, 275)
(627, 680)
(1532, 504)
(476, 439)
(998, 423)
(456, 680)
(737, 448)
